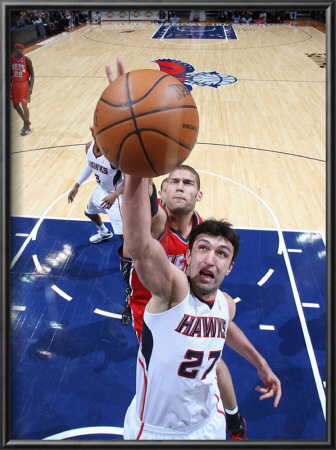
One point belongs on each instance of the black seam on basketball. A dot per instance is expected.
(130, 101)
(168, 137)
(150, 90)
(113, 104)
(154, 111)
(137, 132)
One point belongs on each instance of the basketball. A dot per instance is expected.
(146, 123)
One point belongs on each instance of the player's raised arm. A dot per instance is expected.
(238, 342)
(155, 271)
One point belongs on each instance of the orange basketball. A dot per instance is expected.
(146, 123)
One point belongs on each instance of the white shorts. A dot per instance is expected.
(114, 213)
(214, 428)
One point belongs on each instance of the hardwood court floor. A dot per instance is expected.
(261, 148)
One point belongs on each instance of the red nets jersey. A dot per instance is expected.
(176, 248)
(175, 245)
(19, 69)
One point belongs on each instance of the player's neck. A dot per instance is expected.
(208, 297)
(182, 224)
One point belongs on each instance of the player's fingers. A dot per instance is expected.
(120, 66)
(109, 74)
(260, 389)
(266, 392)
(277, 397)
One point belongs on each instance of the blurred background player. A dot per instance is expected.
(162, 191)
(22, 83)
(106, 198)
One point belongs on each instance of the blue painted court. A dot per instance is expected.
(195, 31)
(73, 362)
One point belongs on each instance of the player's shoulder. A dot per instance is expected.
(28, 60)
(231, 304)
(199, 218)
(87, 146)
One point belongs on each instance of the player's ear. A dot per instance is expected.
(188, 256)
(229, 269)
(199, 196)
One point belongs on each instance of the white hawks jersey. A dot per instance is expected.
(179, 351)
(107, 177)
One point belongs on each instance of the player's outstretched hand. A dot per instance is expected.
(120, 70)
(272, 385)
(72, 193)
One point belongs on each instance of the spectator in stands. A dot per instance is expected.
(172, 17)
(96, 17)
(70, 18)
(162, 16)
(22, 21)
(262, 17)
(247, 17)
(15, 20)
(49, 26)
(62, 20)
(85, 16)
(236, 15)
(37, 18)
(223, 16)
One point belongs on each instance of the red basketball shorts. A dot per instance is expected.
(20, 92)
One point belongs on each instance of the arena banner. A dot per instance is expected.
(115, 14)
(144, 14)
(125, 14)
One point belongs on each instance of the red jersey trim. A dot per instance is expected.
(143, 400)
(219, 410)
(197, 220)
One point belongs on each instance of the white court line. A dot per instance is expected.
(52, 39)
(294, 250)
(310, 305)
(281, 244)
(200, 44)
(267, 327)
(282, 249)
(37, 263)
(85, 431)
(19, 308)
(265, 277)
(49, 43)
(107, 314)
(21, 234)
(237, 299)
(61, 293)
(33, 233)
